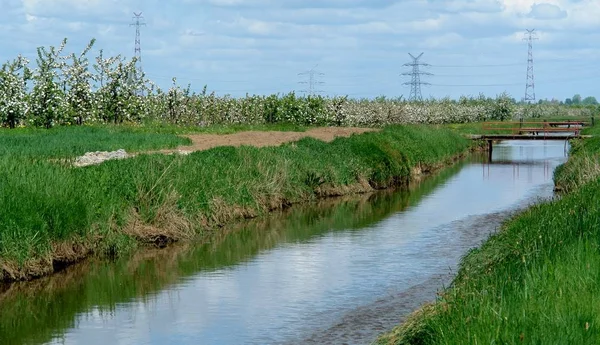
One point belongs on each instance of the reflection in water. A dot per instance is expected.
(35, 312)
(525, 158)
(337, 271)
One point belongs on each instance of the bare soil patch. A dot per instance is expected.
(202, 142)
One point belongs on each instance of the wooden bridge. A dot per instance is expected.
(540, 130)
(520, 130)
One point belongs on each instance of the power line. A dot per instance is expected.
(312, 81)
(475, 75)
(546, 81)
(569, 60)
(530, 85)
(476, 85)
(472, 66)
(415, 77)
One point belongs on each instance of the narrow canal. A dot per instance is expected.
(336, 272)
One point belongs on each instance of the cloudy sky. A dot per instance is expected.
(359, 47)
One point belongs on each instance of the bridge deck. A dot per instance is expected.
(532, 130)
(553, 136)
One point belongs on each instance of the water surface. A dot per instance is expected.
(335, 272)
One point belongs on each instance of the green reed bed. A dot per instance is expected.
(155, 197)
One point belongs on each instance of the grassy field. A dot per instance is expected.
(53, 214)
(166, 128)
(69, 142)
(535, 282)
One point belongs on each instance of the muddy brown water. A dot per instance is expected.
(335, 272)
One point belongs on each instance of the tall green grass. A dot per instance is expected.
(44, 202)
(35, 312)
(583, 165)
(535, 282)
(69, 142)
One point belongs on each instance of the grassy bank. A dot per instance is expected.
(36, 312)
(53, 214)
(583, 165)
(535, 282)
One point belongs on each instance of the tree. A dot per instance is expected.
(77, 79)
(116, 97)
(13, 91)
(48, 97)
(502, 108)
(591, 100)
(568, 101)
(577, 99)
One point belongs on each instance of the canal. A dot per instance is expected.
(338, 271)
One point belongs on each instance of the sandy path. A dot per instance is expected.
(264, 138)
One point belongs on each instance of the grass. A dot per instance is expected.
(535, 282)
(166, 128)
(36, 312)
(65, 142)
(583, 165)
(53, 214)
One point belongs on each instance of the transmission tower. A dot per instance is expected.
(138, 22)
(312, 82)
(415, 81)
(530, 86)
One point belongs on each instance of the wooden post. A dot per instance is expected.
(593, 121)
(490, 148)
(520, 125)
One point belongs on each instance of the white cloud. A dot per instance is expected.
(269, 41)
(52, 7)
(547, 11)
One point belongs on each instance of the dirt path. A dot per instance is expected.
(267, 138)
(202, 142)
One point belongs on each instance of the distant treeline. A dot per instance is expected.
(66, 89)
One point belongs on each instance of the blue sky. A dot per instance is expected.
(360, 46)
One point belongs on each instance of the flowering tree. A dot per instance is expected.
(13, 91)
(65, 90)
(48, 98)
(79, 93)
(117, 95)
(178, 103)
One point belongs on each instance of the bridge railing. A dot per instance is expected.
(533, 127)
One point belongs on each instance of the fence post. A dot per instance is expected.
(593, 121)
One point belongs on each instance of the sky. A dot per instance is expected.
(355, 47)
